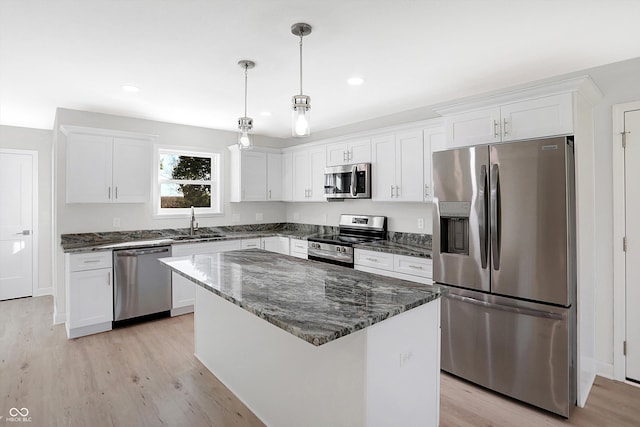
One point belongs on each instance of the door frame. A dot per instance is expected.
(35, 280)
(619, 231)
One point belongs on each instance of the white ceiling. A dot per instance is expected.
(183, 55)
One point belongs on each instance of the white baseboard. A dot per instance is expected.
(604, 369)
(43, 291)
(58, 318)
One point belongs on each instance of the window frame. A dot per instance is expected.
(216, 181)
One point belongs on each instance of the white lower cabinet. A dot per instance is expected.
(183, 291)
(89, 293)
(277, 244)
(415, 269)
(298, 248)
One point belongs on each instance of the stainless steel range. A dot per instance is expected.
(338, 248)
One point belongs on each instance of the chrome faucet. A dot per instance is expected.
(194, 225)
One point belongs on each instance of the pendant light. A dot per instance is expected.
(245, 124)
(300, 125)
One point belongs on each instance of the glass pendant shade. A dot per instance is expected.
(301, 123)
(245, 141)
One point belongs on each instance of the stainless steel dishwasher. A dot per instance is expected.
(142, 285)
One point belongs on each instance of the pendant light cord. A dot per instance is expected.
(301, 35)
(246, 66)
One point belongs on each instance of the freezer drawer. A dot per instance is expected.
(517, 348)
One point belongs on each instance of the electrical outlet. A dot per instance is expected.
(259, 216)
(116, 222)
(235, 217)
(420, 223)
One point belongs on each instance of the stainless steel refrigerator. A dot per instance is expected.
(504, 247)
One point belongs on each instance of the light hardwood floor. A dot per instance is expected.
(146, 375)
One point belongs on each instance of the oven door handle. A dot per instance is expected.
(354, 175)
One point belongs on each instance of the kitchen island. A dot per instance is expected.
(307, 343)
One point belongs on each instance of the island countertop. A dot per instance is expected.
(314, 301)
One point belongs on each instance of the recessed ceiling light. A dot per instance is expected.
(266, 113)
(129, 88)
(355, 81)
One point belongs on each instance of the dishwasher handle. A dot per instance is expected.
(138, 252)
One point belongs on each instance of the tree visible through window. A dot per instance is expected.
(188, 179)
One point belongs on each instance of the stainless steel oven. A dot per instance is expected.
(338, 248)
(348, 181)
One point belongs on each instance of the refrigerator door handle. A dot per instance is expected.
(495, 216)
(508, 308)
(482, 221)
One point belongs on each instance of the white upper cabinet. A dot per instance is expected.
(397, 167)
(532, 118)
(349, 152)
(274, 176)
(383, 174)
(131, 170)
(287, 177)
(308, 174)
(248, 175)
(107, 168)
(433, 140)
(256, 175)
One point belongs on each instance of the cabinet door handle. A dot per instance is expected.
(109, 279)
(344, 156)
(426, 190)
(392, 191)
(397, 191)
(109, 197)
(496, 129)
(504, 127)
(349, 155)
(116, 193)
(269, 194)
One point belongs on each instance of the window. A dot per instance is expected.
(185, 179)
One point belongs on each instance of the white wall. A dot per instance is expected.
(37, 140)
(80, 218)
(401, 217)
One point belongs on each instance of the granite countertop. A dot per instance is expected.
(397, 248)
(89, 242)
(314, 301)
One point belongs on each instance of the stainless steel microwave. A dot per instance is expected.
(348, 181)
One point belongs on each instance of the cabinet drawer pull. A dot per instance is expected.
(90, 261)
(417, 267)
(372, 259)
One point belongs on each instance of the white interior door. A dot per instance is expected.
(16, 220)
(632, 255)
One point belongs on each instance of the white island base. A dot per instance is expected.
(385, 375)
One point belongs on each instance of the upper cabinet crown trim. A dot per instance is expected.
(347, 137)
(583, 85)
(68, 129)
